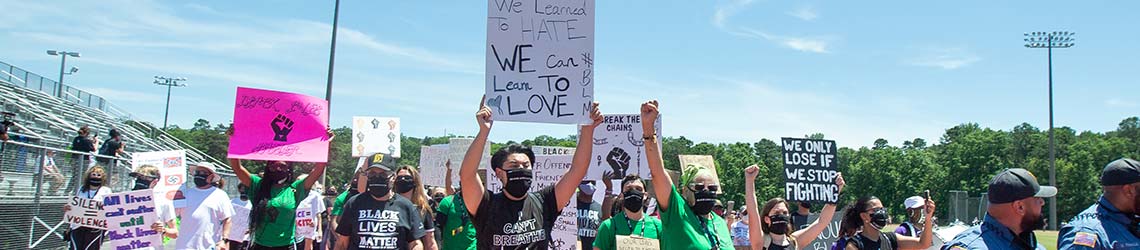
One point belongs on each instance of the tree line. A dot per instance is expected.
(965, 158)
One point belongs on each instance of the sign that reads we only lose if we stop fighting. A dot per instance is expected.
(810, 168)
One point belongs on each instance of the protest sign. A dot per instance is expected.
(810, 168)
(619, 147)
(171, 166)
(306, 212)
(634, 242)
(86, 213)
(457, 149)
(375, 135)
(548, 150)
(548, 170)
(130, 216)
(272, 125)
(433, 166)
(692, 161)
(829, 235)
(539, 60)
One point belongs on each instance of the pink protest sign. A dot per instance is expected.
(272, 125)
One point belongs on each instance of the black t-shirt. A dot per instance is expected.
(501, 223)
(799, 221)
(373, 224)
(111, 147)
(589, 218)
(82, 144)
(885, 240)
(428, 221)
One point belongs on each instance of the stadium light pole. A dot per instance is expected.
(169, 83)
(1048, 41)
(62, 64)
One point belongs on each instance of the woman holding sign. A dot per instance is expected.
(776, 220)
(81, 237)
(688, 220)
(869, 214)
(517, 218)
(632, 221)
(275, 198)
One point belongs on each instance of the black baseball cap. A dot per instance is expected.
(1122, 171)
(1015, 184)
(382, 161)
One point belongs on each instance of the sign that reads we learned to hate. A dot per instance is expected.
(540, 60)
(810, 168)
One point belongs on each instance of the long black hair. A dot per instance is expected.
(851, 219)
(260, 197)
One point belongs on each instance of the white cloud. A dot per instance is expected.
(1120, 103)
(806, 13)
(944, 58)
(725, 11)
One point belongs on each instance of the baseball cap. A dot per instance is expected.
(587, 188)
(1122, 171)
(914, 202)
(1015, 184)
(206, 165)
(381, 161)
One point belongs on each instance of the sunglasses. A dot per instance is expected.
(700, 186)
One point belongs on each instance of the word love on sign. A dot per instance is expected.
(810, 168)
(272, 125)
(540, 63)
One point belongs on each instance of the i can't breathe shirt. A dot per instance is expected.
(372, 224)
(502, 223)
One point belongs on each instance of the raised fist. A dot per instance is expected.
(282, 126)
(618, 160)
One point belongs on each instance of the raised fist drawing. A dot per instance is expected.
(618, 160)
(282, 126)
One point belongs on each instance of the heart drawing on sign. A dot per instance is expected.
(496, 102)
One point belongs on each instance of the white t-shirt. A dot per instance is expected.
(307, 212)
(739, 234)
(202, 212)
(239, 223)
(96, 194)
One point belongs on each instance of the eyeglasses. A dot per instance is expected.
(701, 186)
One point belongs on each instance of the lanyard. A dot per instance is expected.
(714, 242)
(633, 225)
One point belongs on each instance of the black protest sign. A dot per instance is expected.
(810, 168)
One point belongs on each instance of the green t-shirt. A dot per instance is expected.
(685, 230)
(458, 232)
(338, 205)
(278, 232)
(648, 228)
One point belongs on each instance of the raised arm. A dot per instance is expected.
(319, 171)
(755, 233)
(235, 164)
(581, 162)
(469, 181)
(806, 235)
(927, 237)
(447, 179)
(608, 200)
(662, 185)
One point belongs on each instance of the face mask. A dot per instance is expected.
(634, 201)
(141, 184)
(378, 185)
(705, 201)
(879, 218)
(200, 180)
(779, 224)
(744, 218)
(95, 182)
(242, 195)
(437, 199)
(404, 184)
(518, 182)
(278, 177)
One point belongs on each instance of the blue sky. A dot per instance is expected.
(725, 71)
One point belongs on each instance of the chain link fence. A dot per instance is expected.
(965, 209)
(35, 182)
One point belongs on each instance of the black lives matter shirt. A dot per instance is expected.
(501, 223)
(588, 221)
(372, 224)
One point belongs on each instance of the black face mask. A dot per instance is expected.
(278, 177)
(879, 218)
(404, 183)
(518, 182)
(705, 201)
(437, 199)
(141, 184)
(378, 185)
(634, 200)
(779, 224)
(95, 182)
(201, 180)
